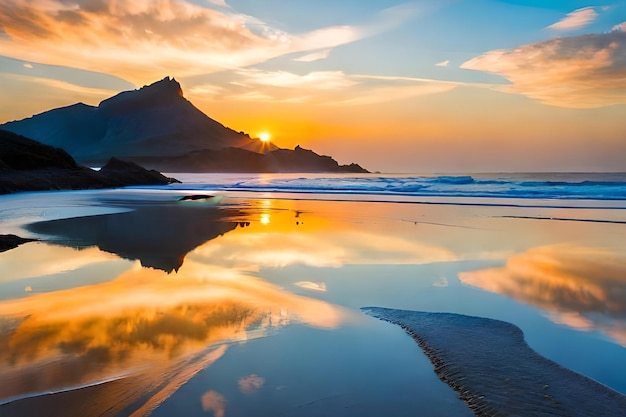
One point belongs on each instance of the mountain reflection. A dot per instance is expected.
(141, 327)
(582, 287)
(159, 234)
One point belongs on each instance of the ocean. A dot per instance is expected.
(248, 301)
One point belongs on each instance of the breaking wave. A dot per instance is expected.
(529, 186)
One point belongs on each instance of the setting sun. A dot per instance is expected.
(264, 136)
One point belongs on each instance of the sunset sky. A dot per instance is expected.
(397, 86)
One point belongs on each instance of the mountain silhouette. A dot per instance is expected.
(157, 127)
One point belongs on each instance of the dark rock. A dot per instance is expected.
(12, 241)
(27, 165)
(123, 173)
(21, 153)
(195, 197)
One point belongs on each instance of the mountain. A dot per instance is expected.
(157, 127)
(27, 165)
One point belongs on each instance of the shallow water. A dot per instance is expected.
(246, 304)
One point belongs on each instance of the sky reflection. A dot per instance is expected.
(137, 333)
(143, 322)
(581, 287)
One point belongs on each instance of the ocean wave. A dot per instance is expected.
(420, 186)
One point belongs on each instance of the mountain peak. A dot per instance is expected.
(165, 86)
(164, 91)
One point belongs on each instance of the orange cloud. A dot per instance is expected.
(585, 71)
(142, 40)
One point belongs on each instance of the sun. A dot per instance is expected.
(265, 136)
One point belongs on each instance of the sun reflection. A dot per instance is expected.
(265, 218)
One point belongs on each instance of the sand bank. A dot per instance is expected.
(488, 363)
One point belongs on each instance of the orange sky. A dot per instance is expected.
(395, 86)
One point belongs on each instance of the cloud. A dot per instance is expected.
(575, 20)
(141, 40)
(581, 287)
(328, 88)
(619, 27)
(27, 65)
(310, 285)
(315, 56)
(251, 384)
(584, 71)
(215, 402)
(319, 80)
(443, 63)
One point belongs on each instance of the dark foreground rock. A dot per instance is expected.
(27, 165)
(12, 241)
(488, 363)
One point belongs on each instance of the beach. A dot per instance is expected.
(246, 299)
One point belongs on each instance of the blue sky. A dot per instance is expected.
(397, 85)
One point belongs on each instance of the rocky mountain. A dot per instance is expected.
(27, 165)
(157, 127)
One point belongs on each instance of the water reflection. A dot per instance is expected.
(581, 287)
(251, 384)
(141, 326)
(159, 234)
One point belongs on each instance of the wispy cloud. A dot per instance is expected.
(321, 87)
(141, 40)
(315, 56)
(318, 80)
(578, 72)
(443, 63)
(576, 19)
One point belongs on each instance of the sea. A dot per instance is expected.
(242, 294)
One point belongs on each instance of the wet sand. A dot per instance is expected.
(146, 270)
(488, 363)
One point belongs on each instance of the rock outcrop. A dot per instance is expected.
(27, 165)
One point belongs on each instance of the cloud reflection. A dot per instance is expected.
(143, 323)
(581, 287)
(215, 402)
(251, 384)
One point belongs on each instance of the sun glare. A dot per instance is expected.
(264, 136)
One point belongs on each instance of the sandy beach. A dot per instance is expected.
(250, 303)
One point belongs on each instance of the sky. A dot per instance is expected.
(396, 86)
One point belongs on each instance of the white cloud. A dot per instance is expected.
(315, 56)
(317, 80)
(619, 27)
(576, 19)
(310, 285)
(27, 65)
(443, 63)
